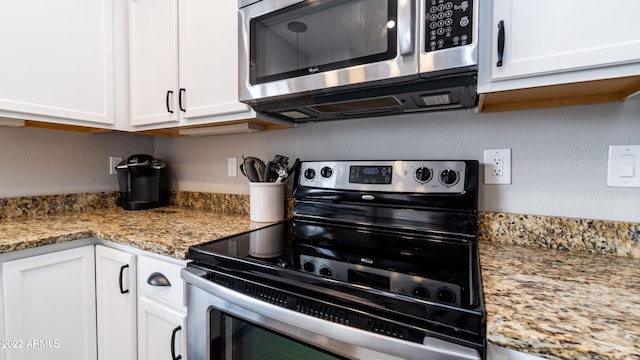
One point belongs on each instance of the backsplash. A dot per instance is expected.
(31, 206)
(233, 203)
(567, 234)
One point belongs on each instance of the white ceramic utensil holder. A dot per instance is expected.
(266, 201)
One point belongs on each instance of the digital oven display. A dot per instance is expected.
(370, 174)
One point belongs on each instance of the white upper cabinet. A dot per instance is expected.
(550, 36)
(184, 67)
(527, 44)
(153, 51)
(57, 62)
(209, 60)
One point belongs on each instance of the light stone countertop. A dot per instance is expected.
(561, 305)
(550, 303)
(166, 231)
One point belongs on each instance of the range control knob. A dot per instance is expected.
(309, 174)
(325, 271)
(308, 266)
(326, 172)
(423, 174)
(449, 177)
(420, 292)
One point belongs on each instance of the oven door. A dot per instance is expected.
(225, 324)
(294, 46)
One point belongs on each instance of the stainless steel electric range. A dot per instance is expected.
(379, 261)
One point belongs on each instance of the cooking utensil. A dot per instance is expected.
(253, 168)
(250, 169)
(268, 169)
(281, 170)
(293, 168)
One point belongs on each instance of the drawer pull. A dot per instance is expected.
(157, 279)
(120, 279)
(173, 344)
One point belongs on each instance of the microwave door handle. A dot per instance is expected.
(406, 26)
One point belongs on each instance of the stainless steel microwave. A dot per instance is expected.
(337, 59)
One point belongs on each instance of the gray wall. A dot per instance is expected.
(559, 155)
(45, 162)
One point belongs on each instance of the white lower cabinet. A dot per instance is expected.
(116, 304)
(162, 312)
(161, 331)
(91, 302)
(49, 306)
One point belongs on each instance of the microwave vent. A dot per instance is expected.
(357, 105)
(295, 114)
(437, 99)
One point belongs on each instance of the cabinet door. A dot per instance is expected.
(116, 303)
(161, 331)
(548, 36)
(57, 60)
(209, 59)
(49, 305)
(154, 61)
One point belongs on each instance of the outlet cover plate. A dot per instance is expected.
(232, 166)
(497, 166)
(113, 162)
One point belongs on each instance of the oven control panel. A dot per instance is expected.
(399, 283)
(409, 176)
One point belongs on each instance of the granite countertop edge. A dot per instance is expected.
(538, 301)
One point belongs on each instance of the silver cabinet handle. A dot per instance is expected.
(157, 279)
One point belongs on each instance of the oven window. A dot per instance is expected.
(317, 36)
(237, 339)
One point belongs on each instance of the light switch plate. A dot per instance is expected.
(624, 166)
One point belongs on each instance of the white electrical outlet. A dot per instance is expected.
(113, 162)
(497, 166)
(232, 166)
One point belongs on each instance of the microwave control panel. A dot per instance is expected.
(448, 24)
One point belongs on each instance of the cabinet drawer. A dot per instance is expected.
(161, 280)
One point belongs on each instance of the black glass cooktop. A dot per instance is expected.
(418, 267)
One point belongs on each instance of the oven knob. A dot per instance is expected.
(308, 266)
(420, 292)
(325, 271)
(422, 174)
(449, 177)
(445, 295)
(309, 174)
(326, 172)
